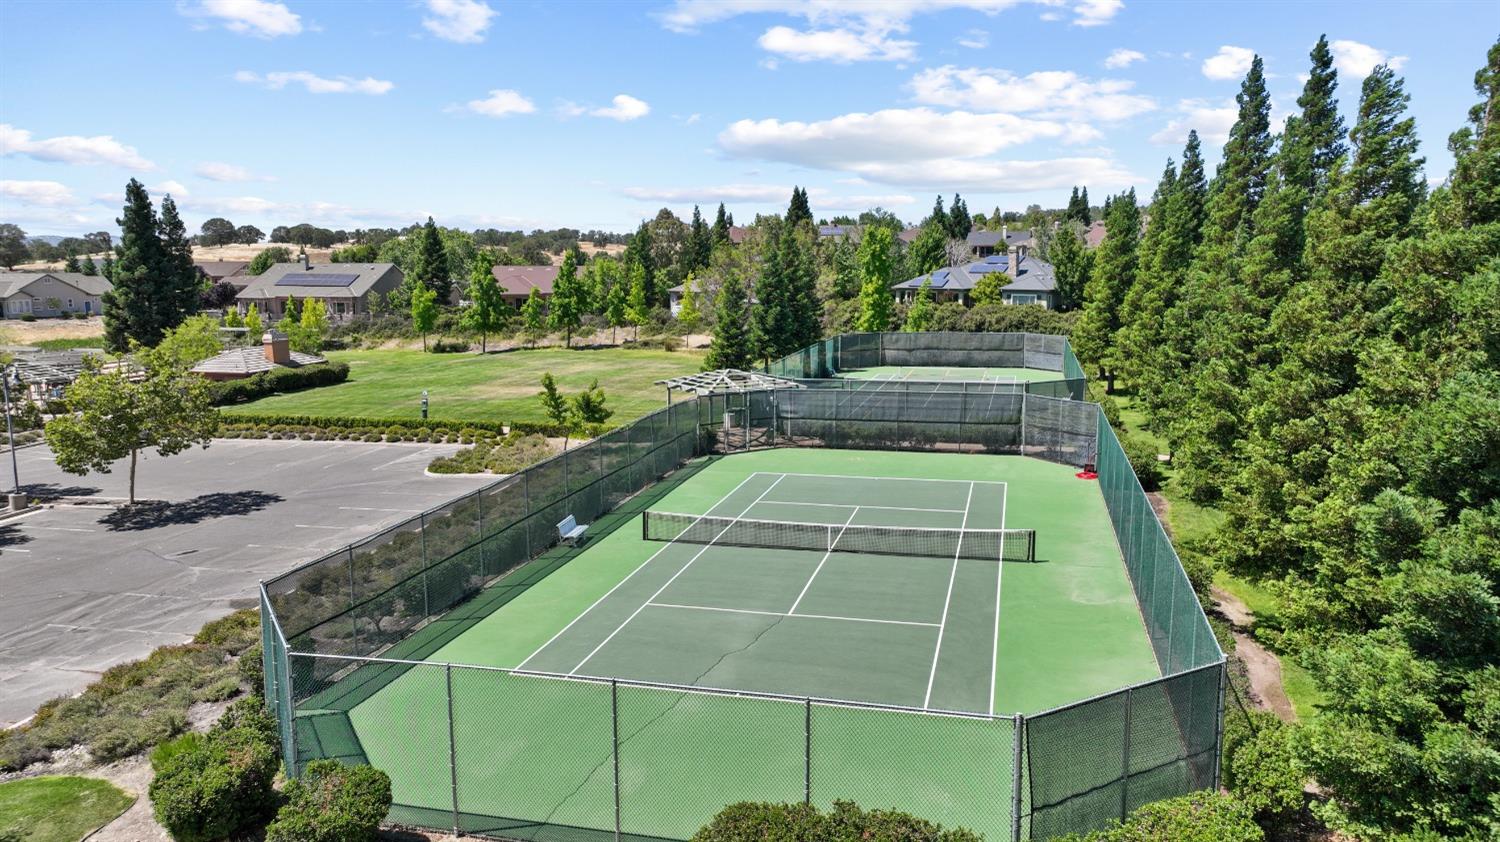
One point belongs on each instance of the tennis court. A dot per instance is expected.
(924, 373)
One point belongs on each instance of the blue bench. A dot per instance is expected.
(570, 530)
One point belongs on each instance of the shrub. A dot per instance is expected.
(250, 714)
(1200, 817)
(1142, 456)
(278, 380)
(332, 802)
(1261, 767)
(217, 789)
(753, 822)
(251, 668)
(28, 318)
(166, 752)
(449, 346)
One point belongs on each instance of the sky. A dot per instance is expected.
(484, 113)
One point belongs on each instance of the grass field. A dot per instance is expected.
(57, 808)
(494, 387)
(533, 752)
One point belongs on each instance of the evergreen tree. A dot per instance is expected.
(181, 284)
(429, 266)
(1072, 213)
(88, 267)
(639, 254)
(721, 227)
(939, 216)
(71, 264)
(700, 244)
(292, 310)
(107, 268)
(928, 251)
(616, 308)
(785, 317)
(1113, 275)
(1086, 213)
(877, 274)
(730, 347)
(534, 317)
(565, 310)
(1140, 311)
(486, 311)
(919, 316)
(799, 211)
(136, 308)
(959, 222)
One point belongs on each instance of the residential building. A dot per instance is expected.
(826, 232)
(239, 363)
(908, 235)
(737, 234)
(233, 271)
(1094, 234)
(51, 294)
(343, 287)
(986, 243)
(517, 282)
(1032, 280)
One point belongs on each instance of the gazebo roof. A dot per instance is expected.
(727, 380)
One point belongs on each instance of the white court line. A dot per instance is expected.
(779, 614)
(903, 479)
(999, 575)
(852, 506)
(668, 583)
(943, 625)
(642, 566)
(821, 562)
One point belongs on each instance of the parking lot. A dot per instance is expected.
(85, 585)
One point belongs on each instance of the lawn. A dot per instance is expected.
(59, 808)
(493, 387)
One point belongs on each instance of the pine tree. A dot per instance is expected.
(1072, 264)
(1140, 312)
(107, 268)
(939, 216)
(429, 265)
(700, 244)
(1072, 212)
(730, 347)
(71, 264)
(1085, 212)
(640, 253)
(721, 227)
(181, 284)
(565, 310)
(1113, 275)
(88, 267)
(919, 316)
(534, 317)
(877, 273)
(799, 211)
(132, 311)
(845, 265)
(959, 222)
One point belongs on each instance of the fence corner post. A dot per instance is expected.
(1018, 731)
(452, 745)
(1125, 760)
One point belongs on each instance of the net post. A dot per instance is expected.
(646, 525)
(614, 719)
(1125, 759)
(1018, 730)
(452, 745)
(807, 751)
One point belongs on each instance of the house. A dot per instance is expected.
(239, 363)
(908, 235)
(737, 234)
(343, 287)
(1094, 235)
(233, 271)
(986, 243)
(1032, 280)
(828, 232)
(517, 282)
(49, 294)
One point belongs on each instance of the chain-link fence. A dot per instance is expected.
(943, 349)
(530, 756)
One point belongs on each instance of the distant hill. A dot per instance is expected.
(49, 239)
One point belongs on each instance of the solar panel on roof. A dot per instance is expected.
(311, 279)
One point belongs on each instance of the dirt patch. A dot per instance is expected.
(18, 332)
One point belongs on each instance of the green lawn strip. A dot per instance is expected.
(498, 387)
(68, 343)
(56, 808)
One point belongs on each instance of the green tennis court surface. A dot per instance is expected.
(914, 372)
(533, 753)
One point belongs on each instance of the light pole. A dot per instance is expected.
(10, 434)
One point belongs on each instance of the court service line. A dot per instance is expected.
(822, 561)
(999, 575)
(642, 566)
(902, 479)
(669, 582)
(780, 614)
(943, 625)
(861, 506)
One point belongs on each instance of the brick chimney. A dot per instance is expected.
(1016, 254)
(276, 347)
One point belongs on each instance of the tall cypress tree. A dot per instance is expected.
(731, 345)
(180, 283)
(131, 307)
(700, 244)
(721, 227)
(1072, 264)
(959, 221)
(1140, 311)
(639, 250)
(798, 211)
(1085, 213)
(1113, 275)
(429, 265)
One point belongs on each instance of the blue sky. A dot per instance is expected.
(593, 115)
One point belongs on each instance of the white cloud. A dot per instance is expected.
(44, 193)
(1213, 121)
(1228, 63)
(316, 84)
(974, 39)
(169, 186)
(1096, 12)
(841, 46)
(502, 102)
(992, 176)
(71, 149)
(219, 171)
(712, 194)
(625, 108)
(1122, 57)
(460, 21)
(1356, 60)
(1060, 94)
(248, 17)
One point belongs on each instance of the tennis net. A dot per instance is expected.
(981, 544)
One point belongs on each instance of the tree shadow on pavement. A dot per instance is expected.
(53, 491)
(11, 536)
(157, 513)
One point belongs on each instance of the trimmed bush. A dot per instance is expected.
(1261, 767)
(332, 802)
(755, 822)
(278, 380)
(250, 714)
(1200, 817)
(220, 787)
(167, 752)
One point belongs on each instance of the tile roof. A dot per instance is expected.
(251, 360)
(521, 280)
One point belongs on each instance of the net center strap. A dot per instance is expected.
(928, 542)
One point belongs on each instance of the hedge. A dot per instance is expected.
(222, 785)
(414, 425)
(332, 802)
(1200, 817)
(759, 822)
(278, 380)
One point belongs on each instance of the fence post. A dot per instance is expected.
(614, 719)
(1018, 731)
(807, 752)
(1125, 761)
(287, 688)
(353, 600)
(426, 597)
(452, 745)
(1219, 726)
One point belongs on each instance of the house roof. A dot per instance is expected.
(13, 282)
(908, 234)
(521, 280)
(221, 269)
(1034, 275)
(328, 280)
(737, 234)
(836, 230)
(251, 360)
(991, 239)
(1095, 234)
